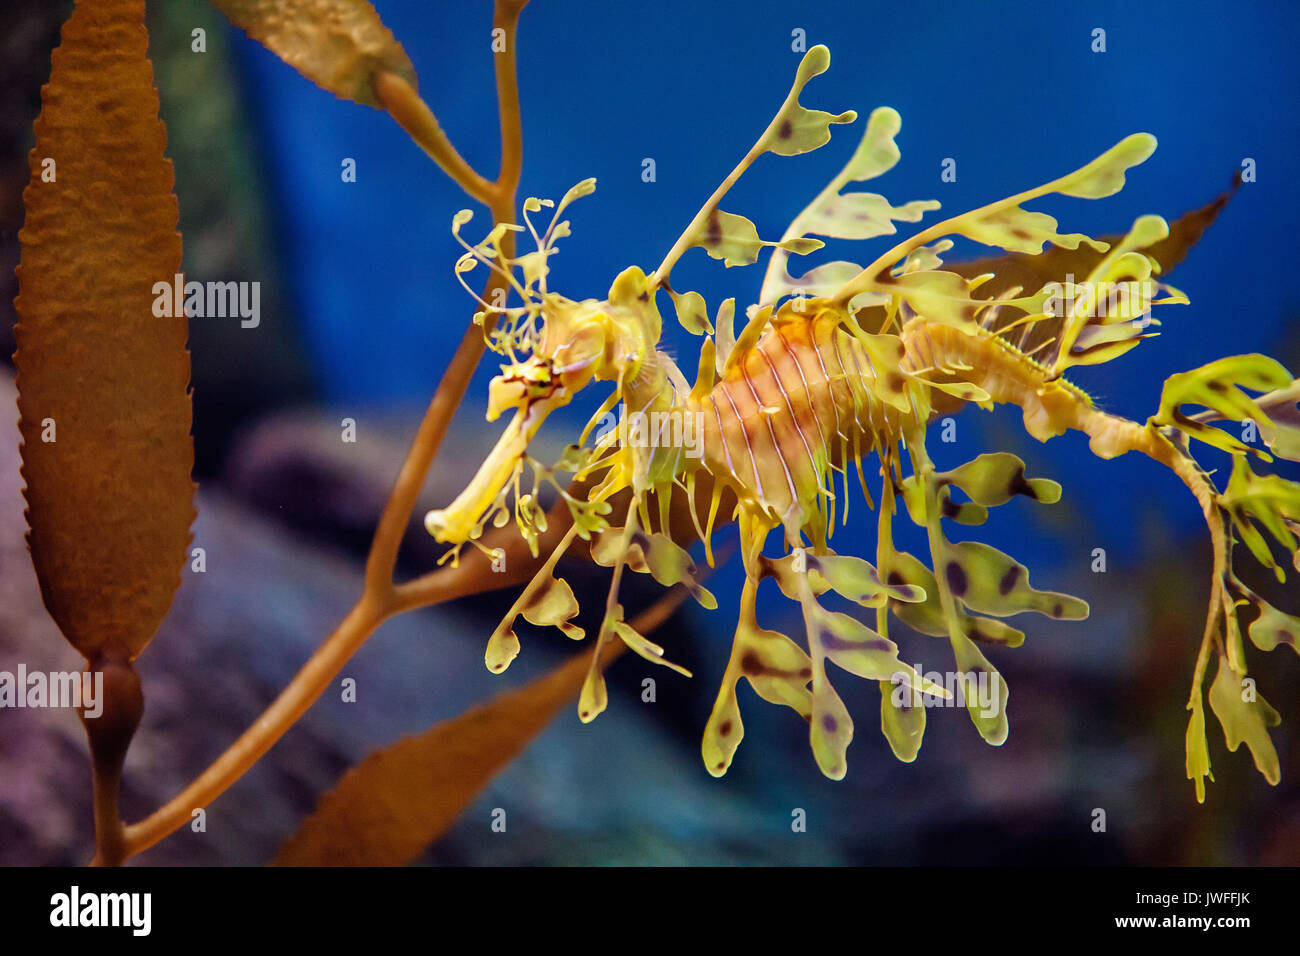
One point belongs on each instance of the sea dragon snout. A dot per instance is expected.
(570, 344)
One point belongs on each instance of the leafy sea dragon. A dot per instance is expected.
(829, 368)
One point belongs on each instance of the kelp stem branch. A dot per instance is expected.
(506, 17)
(109, 733)
(414, 116)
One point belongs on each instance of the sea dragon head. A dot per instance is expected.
(555, 347)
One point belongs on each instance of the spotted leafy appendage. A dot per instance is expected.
(1099, 321)
(973, 579)
(1260, 511)
(732, 238)
(842, 215)
(103, 380)
(1218, 386)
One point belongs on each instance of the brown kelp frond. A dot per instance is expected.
(337, 44)
(103, 373)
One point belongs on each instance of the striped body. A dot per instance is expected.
(788, 410)
(806, 398)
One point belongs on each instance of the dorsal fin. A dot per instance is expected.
(1032, 272)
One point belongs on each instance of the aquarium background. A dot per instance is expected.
(360, 313)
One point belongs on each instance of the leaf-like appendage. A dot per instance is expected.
(796, 128)
(1164, 243)
(986, 580)
(734, 239)
(1218, 386)
(902, 720)
(846, 215)
(1104, 176)
(864, 653)
(654, 554)
(980, 678)
(968, 576)
(692, 313)
(994, 478)
(646, 648)
(862, 216)
(819, 281)
(1198, 753)
(1018, 230)
(850, 577)
(1246, 718)
(1273, 628)
(927, 616)
(553, 605)
(337, 44)
(946, 297)
(102, 380)
(830, 731)
(857, 580)
(1269, 500)
(779, 671)
(1281, 432)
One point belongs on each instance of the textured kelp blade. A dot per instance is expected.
(337, 44)
(110, 499)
